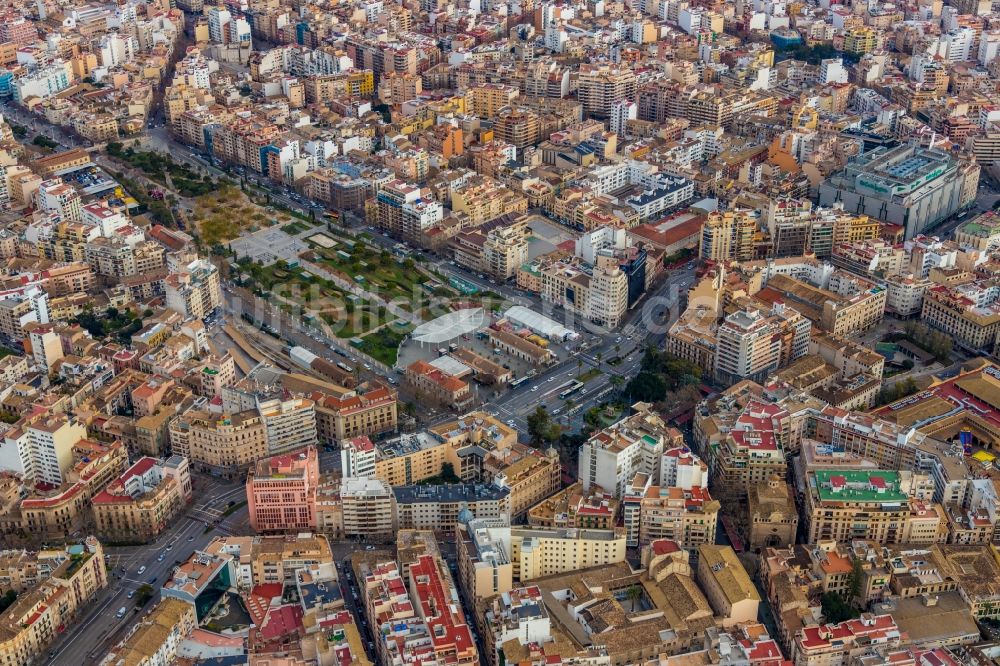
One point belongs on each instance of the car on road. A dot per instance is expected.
(121, 612)
(160, 558)
(511, 423)
(551, 379)
(556, 411)
(170, 546)
(141, 571)
(191, 538)
(534, 388)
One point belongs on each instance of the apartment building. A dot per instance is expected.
(880, 505)
(142, 502)
(31, 623)
(685, 515)
(969, 313)
(368, 507)
(114, 258)
(290, 423)
(196, 291)
(598, 293)
(433, 592)
(537, 552)
(572, 507)
(43, 449)
(728, 236)
(505, 249)
(281, 492)
(980, 233)
(745, 451)
(822, 644)
(601, 86)
(443, 507)
(612, 457)
(404, 212)
(18, 311)
(848, 304)
(483, 554)
(224, 444)
(751, 344)
(348, 416)
(156, 639)
(530, 474)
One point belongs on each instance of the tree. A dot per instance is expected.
(541, 428)
(647, 387)
(144, 594)
(579, 366)
(856, 581)
(836, 610)
(448, 473)
(633, 594)
(44, 142)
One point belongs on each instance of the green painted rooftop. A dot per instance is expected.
(859, 486)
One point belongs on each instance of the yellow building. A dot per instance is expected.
(156, 639)
(728, 236)
(536, 552)
(860, 40)
(530, 474)
(345, 85)
(34, 620)
(879, 505)
(948, 309)
(350, 416)
(727, 585)
(141, 503)
(226, 444)
(409, 460)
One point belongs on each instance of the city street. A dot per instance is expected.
(99, 628)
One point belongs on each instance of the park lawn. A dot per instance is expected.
(383, 344)
(383, 274)
(363, 318)
(294, 229)
(590, 374)
(225, 213)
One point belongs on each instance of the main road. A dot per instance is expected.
(613, 354)
(98, 629)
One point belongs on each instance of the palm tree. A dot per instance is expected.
(598, 356)
(633, 594)
(579, 366)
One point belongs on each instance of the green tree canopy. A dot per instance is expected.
(541, 428)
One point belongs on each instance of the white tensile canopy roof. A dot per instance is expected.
(450, 326)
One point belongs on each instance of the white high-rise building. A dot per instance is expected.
(680, 468)
(612, 457)
(43, 451)
(58, 197)
(832, 70)
(218, 24)
(621, 113)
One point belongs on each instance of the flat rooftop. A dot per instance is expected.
(859, 486)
